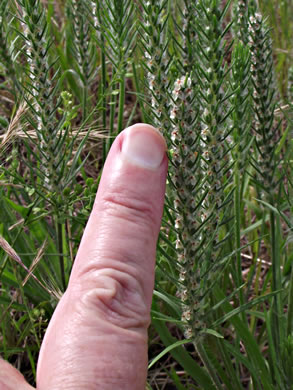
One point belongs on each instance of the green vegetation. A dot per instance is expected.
(217, 80)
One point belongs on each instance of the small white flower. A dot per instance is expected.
(188, 333)
(206, 154)
(177, 203)
(178, 223)
(186, 315)
(209, 71)
(184, 295)
(182, 276)
(174, 112)
(147, 55)
(178, 245)
(176, 93)
(175, 135)
(181, 258)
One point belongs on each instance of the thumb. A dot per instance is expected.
(98, 335)
(11, 378)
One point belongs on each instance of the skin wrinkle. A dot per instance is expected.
(134, 262)
(138, 210)
(117, 295)
(94, 269)
(112, 312)
(119, 251)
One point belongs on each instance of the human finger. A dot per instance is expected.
(98, 335)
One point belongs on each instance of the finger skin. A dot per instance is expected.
(97, 338)
(11, 378)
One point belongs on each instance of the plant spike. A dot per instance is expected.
(82, 39)
(5, 53)
(200, 156)
(240, 17)
(83, 49)
(157, 62)
(240, 100)
(216, 142)
(114, 20)
(185, 40)
(266, 128)
(264, 98)
(53, 146)
(116, 27)
(241, 134)
(40, 88)
(187, 180)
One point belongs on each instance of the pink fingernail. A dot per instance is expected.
(144, 146)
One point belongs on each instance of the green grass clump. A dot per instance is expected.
(216, 79)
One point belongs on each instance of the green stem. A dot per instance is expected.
(84, 102)
(290, 306)
(237, 226)
(103, 92)
(232, 372)
(237, 212)
(137, 87)
(181, 355)
(60, 251)
(276, 284)
(121, 104)
(208, 365)
(104, 78)
(112, 119)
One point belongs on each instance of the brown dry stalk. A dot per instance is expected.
(14, 130)
(13, 255)
(11, 252)
(279, 111)
(20, 222)
(3, 184)
(35, 262)
(13, 127)
(31, 134)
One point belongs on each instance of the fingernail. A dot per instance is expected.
(144, 146)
